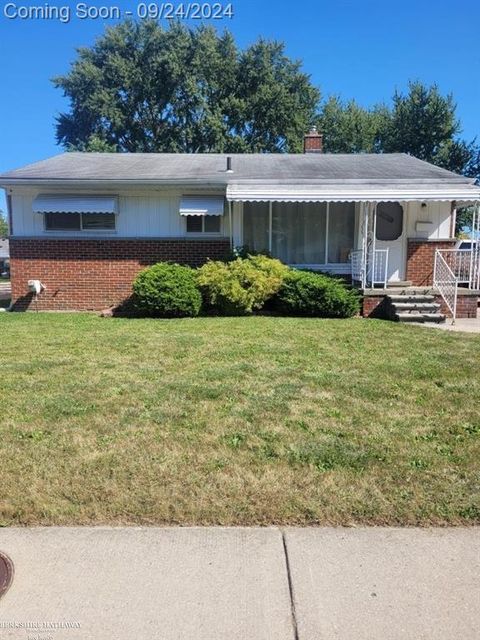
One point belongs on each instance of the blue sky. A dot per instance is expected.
(356, 49)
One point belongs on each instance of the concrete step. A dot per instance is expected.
(400, 283)
(419, 317)
(422, 307)
(410, 298)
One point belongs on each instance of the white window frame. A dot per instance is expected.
(80, 229)
(203, 233)
(336, 267)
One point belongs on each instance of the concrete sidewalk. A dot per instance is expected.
(226, 583)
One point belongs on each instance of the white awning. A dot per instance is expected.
(74, 204)
(255, 192)
(201, 206)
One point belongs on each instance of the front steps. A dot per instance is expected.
(413, 305)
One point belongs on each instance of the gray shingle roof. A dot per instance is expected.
(211, 168)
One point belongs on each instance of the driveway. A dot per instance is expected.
(241, 583)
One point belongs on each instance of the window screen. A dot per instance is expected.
(211, 224)
(79, 221)
(62, 221)
(341, 231)
(98, 221)
(203, 224)
(389, 221)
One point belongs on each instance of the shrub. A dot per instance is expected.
(167, 290)
(241, 286)
(244, 251)
(304, 293)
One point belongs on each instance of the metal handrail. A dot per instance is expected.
(462, 262)
(446, 282)
(373, 269)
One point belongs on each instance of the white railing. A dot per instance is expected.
(380, 267)
(358, 268)
(370, 272)
(462, 263)
(445, 280)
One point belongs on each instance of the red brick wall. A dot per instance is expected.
(374, 306)
(467, 306)
(87, 274)
(420, 259)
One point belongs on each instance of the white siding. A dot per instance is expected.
(141, 215)
(438, 214)
(156, 214)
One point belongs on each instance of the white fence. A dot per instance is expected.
(445, 280)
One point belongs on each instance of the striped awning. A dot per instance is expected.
(201, 206)
(258, 192)
(75, 204)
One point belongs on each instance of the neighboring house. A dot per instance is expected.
(85, 224)
(4, 257)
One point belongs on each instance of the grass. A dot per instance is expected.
(236, 421)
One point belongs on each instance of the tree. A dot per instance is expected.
(349, 128)
(3, 225)
(142, 88)
(422, 122)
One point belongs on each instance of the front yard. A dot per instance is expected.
(236, 421)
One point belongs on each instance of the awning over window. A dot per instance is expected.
(201, 206)
(74, 204)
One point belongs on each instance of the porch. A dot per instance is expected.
(453, 276)
(379, 244)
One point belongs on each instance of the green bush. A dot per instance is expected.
(241, 286)
(168, 291)
(304, 293)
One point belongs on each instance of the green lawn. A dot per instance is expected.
(236, 421)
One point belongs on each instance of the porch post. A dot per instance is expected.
(364, 243)
(270, 226)
(230, 223)
(475, 250)
(374, 238)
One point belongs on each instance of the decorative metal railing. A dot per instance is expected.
(372, 270)
(462, 263)
(445, 281)
(358, 267)
(380, 267)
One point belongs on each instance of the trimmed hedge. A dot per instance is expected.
(304, 293)
(167, 290)
(241, 286)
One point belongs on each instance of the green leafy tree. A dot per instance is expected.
(422, 122)
(3, 225)
(143, 88)
(349, 128)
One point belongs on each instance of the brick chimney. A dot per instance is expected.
(313, 141)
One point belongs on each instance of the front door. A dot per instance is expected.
(390, 235)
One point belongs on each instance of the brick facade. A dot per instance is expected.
(373, 306)
(467, 305)
(420, 259)
(88, 274)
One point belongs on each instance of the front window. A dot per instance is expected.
(203, 224)
(59, 221)
(317, 233)
(298, 232)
